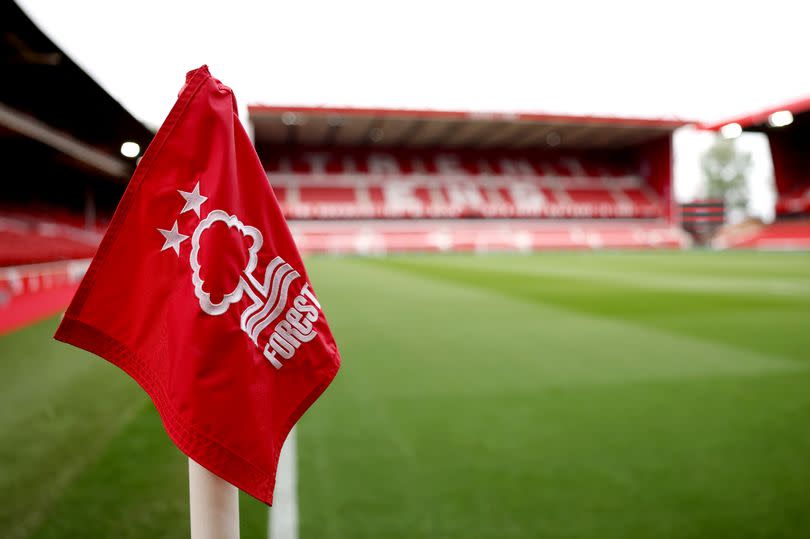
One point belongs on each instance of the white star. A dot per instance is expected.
(173, 238)
(193, 199)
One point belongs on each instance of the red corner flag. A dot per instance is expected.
(198, 292)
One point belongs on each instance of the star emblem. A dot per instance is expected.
(173, 238)
(193, 199)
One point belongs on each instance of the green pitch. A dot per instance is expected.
(551, 395)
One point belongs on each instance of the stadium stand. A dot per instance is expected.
(375, 237)
(781, 235)
(795, 201)
(63, 171)
(61, 137)
(28, 237)
(788, 130)
(427, 180)
(453, 185)
(31, 292)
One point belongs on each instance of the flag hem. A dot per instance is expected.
(195, 444)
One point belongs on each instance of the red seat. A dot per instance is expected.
(28, 237)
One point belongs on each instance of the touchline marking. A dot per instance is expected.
(283, 516)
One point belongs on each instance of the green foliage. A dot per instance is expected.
(725, 171)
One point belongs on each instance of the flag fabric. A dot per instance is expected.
(199, 293)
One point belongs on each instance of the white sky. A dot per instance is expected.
(705, 60)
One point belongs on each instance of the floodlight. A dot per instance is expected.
(732, 130)
(130, 149)
(780, 118)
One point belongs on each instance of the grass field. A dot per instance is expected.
(553, 395)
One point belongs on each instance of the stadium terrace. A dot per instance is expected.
(427, 178)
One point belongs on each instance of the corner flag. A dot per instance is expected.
(198, 292)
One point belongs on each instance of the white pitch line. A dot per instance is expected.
(283, 523)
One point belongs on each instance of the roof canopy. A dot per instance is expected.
(51, 110)
(331, 126)
(758, 121)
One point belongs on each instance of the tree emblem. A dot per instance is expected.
(235, 294)
(224, 274)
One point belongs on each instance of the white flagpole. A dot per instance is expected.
(213, 504)
(284, 513)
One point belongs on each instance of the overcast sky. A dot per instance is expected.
(704, 60)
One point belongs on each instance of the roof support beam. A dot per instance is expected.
(32, 128)
(292, 134)
(536, 138)
(498, 131)
(331, 134)
(450, 129)
(467, 134)
(411, 132)
(573, 136)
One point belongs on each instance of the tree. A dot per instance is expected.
(725, 171)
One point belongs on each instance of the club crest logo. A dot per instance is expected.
(275, 329)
